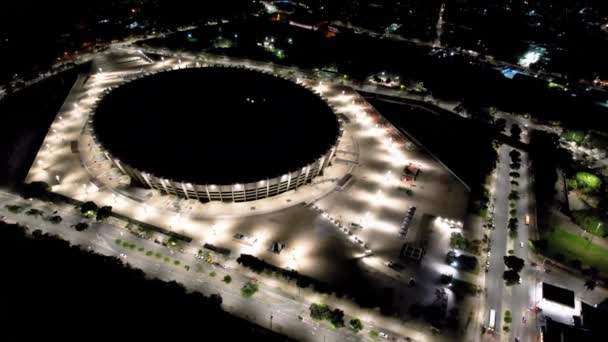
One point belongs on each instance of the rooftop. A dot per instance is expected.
(558, 295)
(215, 125)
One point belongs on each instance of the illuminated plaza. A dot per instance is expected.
(360, 183)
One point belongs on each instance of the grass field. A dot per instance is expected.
(590, 222)
(575, 247)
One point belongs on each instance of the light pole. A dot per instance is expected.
(270, 320)
(595, 232)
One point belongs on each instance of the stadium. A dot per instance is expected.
(251, 134)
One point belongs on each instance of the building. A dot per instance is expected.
(216, 133)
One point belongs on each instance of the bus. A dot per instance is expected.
(492, 321)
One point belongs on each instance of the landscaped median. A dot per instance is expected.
(324, 312)
(149, 253)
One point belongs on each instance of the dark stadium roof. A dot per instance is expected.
(558, 295)
(215, 125)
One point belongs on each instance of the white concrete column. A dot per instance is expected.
(184, 189)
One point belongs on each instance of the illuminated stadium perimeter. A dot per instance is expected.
(270, 181)
(229, 193)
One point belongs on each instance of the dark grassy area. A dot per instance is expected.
(591, 221)
(26, 117)
(575, 247)
(462, 288)
(56, 291)
(463, 145)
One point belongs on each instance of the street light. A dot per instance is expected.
(595, 232)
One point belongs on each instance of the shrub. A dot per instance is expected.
(319, 311)
(356, 325)
(80, 226)
(15, 209)
(56, 219)
(34, 212)
(249, 289)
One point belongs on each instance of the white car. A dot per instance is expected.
(521, 244)
(383, 335)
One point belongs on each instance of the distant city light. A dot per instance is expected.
(531, 57)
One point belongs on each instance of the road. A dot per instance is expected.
(518, 299)
(495, 289)
(521, 295)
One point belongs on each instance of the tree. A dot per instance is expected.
(38, 190)
(103, 213)
(80, 226)
(513, 222)
(88, 209)
(227, 279)
(541, 244)
(515, 131)
(356, 325)
(319, 311)
(514, 195)
(500, 124)
(249, 289)
(337, 318)
(576, 263)
(590, 284)
(507, 317)
(34, 212)
(515, 155)
(511, 277)
(55, 219)
(514, 263)
(587, 182)
(415, 310)
(216, 300)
